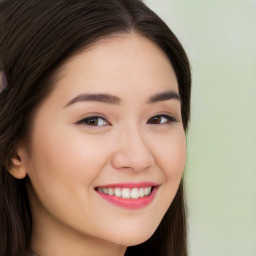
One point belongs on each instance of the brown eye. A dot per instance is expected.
(161, 119)
(155, 120)
(94, 121)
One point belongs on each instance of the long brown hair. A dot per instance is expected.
(37, 37)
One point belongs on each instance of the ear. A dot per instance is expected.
(18, 168)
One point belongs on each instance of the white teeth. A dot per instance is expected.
(135, 193)
(110, 191)
(105, 190)
(118, 192)
(147, 191)
(126, 193)
(141, 192)
(132, 193)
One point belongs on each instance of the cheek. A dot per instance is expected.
(63, 164)
(68, 157)
(172, 156)
(63, 171)
(172, 160)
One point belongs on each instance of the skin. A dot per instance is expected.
(69, 159)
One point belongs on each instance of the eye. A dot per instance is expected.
(161, 119)
(94, 121)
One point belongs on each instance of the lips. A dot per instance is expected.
(132, 193)
(128, 195)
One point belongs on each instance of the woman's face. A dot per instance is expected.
(109, 134)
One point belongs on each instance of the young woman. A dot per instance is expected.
(94, 107)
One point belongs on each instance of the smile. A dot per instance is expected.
(133, 193)
(130, 196)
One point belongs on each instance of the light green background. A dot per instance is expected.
(220, 39)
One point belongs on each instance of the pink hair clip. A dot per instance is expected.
(3, 81)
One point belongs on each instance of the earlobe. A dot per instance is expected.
(18, 168)
(17, 173)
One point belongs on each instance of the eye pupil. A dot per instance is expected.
(92, 121)
(156, 120)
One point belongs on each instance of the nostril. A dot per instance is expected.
(126, 161)
(132, 153)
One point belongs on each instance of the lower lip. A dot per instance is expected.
(128, 203)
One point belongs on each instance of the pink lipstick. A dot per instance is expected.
(128, 195)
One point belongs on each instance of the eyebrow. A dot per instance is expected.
(105, 98)
(169, 95)
(111, 99)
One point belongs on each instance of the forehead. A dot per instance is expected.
(127, 62)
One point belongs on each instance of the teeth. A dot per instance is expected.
(129, 193)
(147, 191)
(118, 192)
(141, 192)
(110, 191)
(105, 190)
(126, 193)
(135, 193)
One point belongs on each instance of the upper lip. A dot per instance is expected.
(129, 185)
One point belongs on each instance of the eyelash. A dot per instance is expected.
(170, 119)
(153, 120)
(86, 120)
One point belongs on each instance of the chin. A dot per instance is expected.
(137, 240)
(132, 238)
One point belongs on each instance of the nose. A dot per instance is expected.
(132, 152)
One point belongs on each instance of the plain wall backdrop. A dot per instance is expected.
(220, 39)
